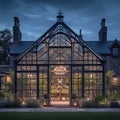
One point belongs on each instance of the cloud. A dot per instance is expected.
(36, 16)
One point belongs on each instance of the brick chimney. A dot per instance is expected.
(103, 32)
(16, 31)
(80, 34)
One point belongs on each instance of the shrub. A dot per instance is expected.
(32, 103)
(82, 103)
(10, 103)
(4, 103)
(99, 98)
(16, 103)
(114, 104)
(90, 104)
(99, 105)
(107, 105)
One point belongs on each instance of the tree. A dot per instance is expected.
(7, 86)
(109, 74)
(5, 40)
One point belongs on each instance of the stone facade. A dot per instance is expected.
(113, 63)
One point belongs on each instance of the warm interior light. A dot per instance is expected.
(88, 98)
(91, 75)
(23, 102)
(75, 104)
(114, 81)
(60, 70)
(63, 98)
(29, 75)
(8, 79)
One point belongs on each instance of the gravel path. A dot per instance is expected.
(53, 109)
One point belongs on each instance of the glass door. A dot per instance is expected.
(59, 83)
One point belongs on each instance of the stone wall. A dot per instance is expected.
(113, 63)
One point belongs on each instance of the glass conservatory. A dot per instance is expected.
(59, 66)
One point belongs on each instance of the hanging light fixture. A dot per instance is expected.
(60, 70)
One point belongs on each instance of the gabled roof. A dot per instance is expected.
(29, 45)
(115, 42)
(55, 29)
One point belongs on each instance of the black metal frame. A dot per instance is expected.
(61, 46)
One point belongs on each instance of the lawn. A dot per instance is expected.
(59, 115)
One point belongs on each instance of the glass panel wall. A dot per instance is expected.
(58, 48)
(92, 85)
(26, 85)
(43, 81)
(77, 81)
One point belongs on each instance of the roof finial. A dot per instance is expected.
(60, 12)
(60, 16)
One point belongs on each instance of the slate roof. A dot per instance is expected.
(20, 47)
(98, 47)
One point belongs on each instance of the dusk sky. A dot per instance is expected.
(37, 16)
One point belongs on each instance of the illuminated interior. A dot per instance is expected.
(59, 64)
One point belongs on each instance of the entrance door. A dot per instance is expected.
(59, 84)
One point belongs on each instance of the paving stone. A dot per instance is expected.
(54, 109)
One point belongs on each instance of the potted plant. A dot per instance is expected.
(46, 100)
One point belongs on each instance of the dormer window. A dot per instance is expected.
(115, 51)
(115, 48)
